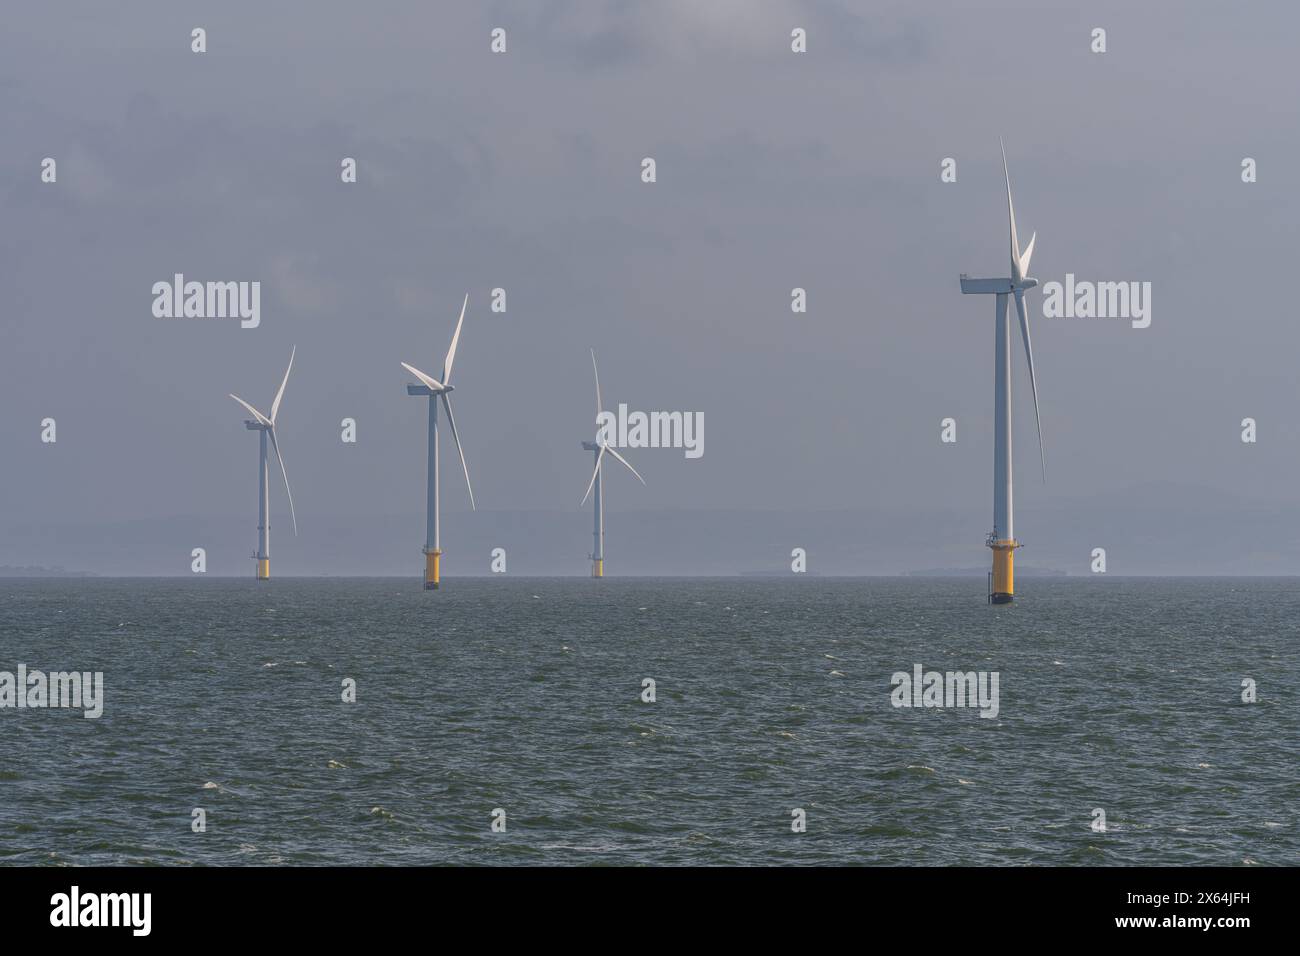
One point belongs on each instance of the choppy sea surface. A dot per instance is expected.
(771, 695)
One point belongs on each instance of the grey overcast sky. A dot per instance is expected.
(521, 170)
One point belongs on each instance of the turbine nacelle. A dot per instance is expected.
(1004, 286)
(426, 390)
(428, 384)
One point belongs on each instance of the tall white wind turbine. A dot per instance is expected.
(438, 391)
(1002, 538)
(265, 426)
(600, 447)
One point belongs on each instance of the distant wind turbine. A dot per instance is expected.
(600, 447)
(265, 425)
(438, 391)
(1002, 538)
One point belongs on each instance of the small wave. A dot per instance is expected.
(886, 830)
(911, 770)
(602, 848)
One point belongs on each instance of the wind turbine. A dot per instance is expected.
(265, 426)
(438, 391)
(1002, 538)
(600, 447)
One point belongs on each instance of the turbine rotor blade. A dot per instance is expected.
(275, 405)
(429, 382)
(451, 352)
(280, 458)
(615, 453)
(1016, 274)
(591, 484)
(451, 420)
(1033, 385)
(1029, 254)
(256, 414)
(600, 405)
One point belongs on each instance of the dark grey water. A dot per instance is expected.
(772, 694)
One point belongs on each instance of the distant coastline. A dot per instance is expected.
(981, 572)
(37, 571)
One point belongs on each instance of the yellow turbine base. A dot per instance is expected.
(598, 568)
(1004, 570)
(431, 570)
(264, 569)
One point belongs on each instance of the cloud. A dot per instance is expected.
(607, 35)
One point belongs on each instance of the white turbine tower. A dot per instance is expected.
(438, 391)
(1002, 538)
(265, 426)
(600, 447)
